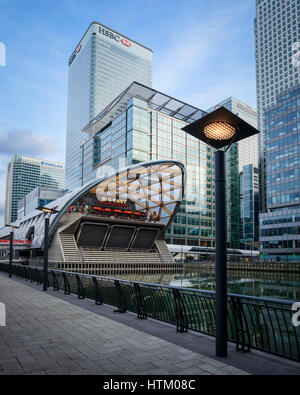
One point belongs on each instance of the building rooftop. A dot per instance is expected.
(155, 99)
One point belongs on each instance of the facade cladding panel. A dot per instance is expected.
(38, 197)
(280, 226)
(103, 64)
(245, 152)
(277, 37)
(141, 133)
(247, 148)
(249, 204)
(23, 175)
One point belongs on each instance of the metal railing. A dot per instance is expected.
(257, 323)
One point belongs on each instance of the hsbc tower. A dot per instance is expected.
(102, 65)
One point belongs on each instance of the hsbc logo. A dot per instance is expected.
(74, 54)
(126, 43)
(103, 31)
(113, 36)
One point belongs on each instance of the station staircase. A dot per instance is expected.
(164, 252)
(65, 244)
(122, 257)
(68, 243)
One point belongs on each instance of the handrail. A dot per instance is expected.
(200, 291)
(259, 323)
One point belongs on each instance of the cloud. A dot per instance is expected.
(25, 142)
(205, 58)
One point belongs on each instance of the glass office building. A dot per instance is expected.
(245, 152)
(277, 33)
(23, 175)
(38, 197)
(103, 64)
(247, 148)
(143, 124)
(249, 205)
(280, 225)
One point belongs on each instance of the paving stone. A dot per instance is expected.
(37, 373)
(68, 365)
(56, 371)
(46, 335)
(12, 368)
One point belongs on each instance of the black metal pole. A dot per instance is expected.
(11, 251)
(45, 282)
(221, 257)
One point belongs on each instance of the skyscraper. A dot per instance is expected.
(144, 124)
(23, 175)
(103, 64)
(247, 148)
(245, 153)
(277, 33)
(249, 205)
(280, 225)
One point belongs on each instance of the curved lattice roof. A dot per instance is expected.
(155, 187)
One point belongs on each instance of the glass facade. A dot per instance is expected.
(38, 197)
(279, 230)
(277, 33)
(23, 175)
(249, 204)
(142, 133)
(103, 64)
(239, 155)
(247, 148)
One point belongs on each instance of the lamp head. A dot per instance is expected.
(220, 128)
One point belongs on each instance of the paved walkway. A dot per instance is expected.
(47, 335)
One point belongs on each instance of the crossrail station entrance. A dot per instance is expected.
(115, 224)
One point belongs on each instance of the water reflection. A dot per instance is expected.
(268, 285)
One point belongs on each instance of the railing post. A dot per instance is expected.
(31, 277)
(141, 306)
(98, 293)
(181, 317)
(80, 289)
(55, 282)
(66, 284)
(122, 306)
(241, 330)
(37, 277)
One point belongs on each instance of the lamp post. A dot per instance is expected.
(46, 234)
(11, 246)
(220, 129)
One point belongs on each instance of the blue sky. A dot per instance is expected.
(203, 52)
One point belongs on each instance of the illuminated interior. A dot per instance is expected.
(149, 193)
(219, 131)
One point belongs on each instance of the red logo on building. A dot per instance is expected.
(126, 43)
(78, 48)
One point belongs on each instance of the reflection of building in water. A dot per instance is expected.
(164, 277)
(263, 284)
(201, 255)
(112, 225)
